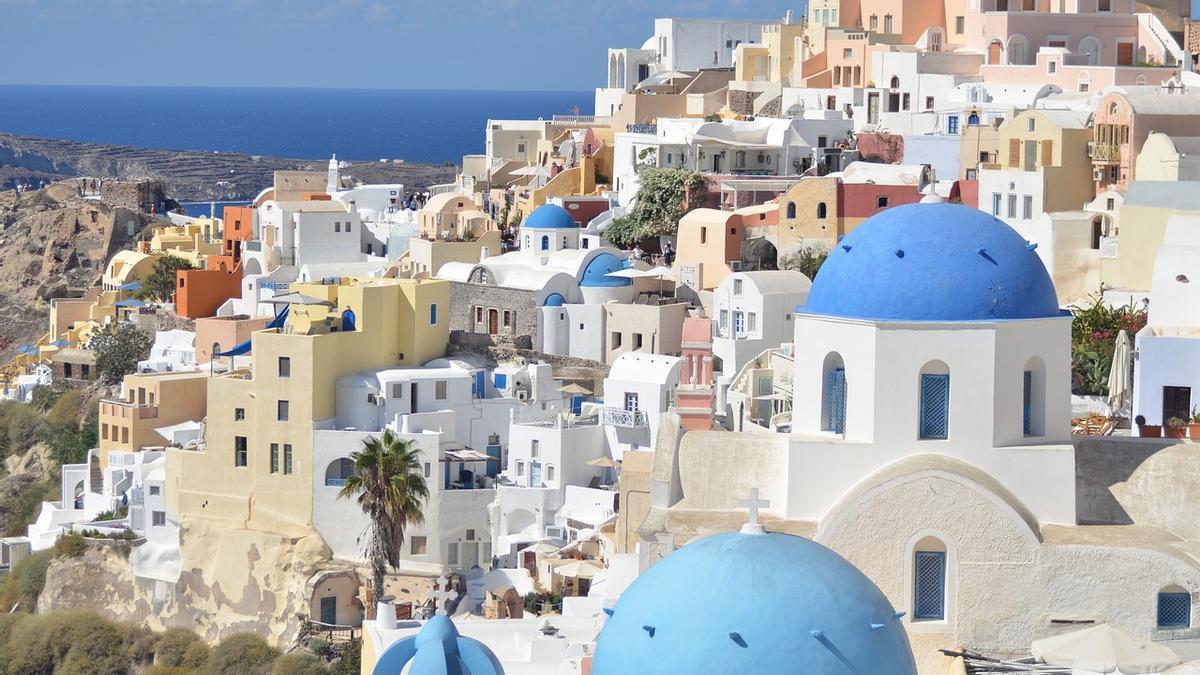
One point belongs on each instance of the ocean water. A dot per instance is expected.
(357, 124)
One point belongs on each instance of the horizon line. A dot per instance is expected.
(301, 88)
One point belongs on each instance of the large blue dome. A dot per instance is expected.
(753, 603)
(550, 217)
(933, 262)
(595, 275)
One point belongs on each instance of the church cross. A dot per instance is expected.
(753, 504)
(442, 595)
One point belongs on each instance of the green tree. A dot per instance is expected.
(351, 661)
(664, 196)
(160, 285)
(299, 663)
(172, 645)
(390, 490)
(118, 347)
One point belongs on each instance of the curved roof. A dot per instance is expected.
(776, 281)
(643, 366)
(595, 275)
(439, 202)
(753, 603)
(933, 262)
(438, 649)
(549, 217)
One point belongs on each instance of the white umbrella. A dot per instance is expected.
(629, 273)
(579, 569)
(1104, 649)
(660, 272)
(1119, 384)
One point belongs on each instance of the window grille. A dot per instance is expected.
(935, 405)
(930, 585)
(835, 404)
(1174, 610)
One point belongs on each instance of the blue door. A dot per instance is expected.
(535, 474)
(479, 390)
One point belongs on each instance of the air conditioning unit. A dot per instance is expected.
(1098, 174)
(735, 265)
(554, 532)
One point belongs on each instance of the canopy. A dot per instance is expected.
(659, 271)
(580, 569)
(630, 273)
(60, 343)
(603, 461)
(466, 455)
(132, 303)
(1120, 389)
(131, 286)
(298, 299)
(575, 390)
(1104, 649)
(532, 170)
(27, 349)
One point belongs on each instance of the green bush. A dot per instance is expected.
(21, 426)
(160, 285)
(70, 545)
(664, 196)
(72, 643)
(299, 663)
(351, 661)
(241, 653)
(173, 645)
(319, 647)
(196, 656)
(118, 348)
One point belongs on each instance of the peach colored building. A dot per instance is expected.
(225, 331)
(1124, 119)
(695, 396)
(452, 216)
(708, 240)
(150, 401)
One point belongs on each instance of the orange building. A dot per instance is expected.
(225, 332)
(199, 293)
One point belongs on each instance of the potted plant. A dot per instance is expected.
(1147, 430)
(1177, 427)
(1194, 427)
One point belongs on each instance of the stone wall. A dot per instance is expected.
(742, 102)
(464, 297)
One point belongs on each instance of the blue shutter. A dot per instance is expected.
(935, 405)
(835, 403)
(929, 572)
(1174, 610)
(1028, 401)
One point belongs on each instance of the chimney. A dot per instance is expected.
(385, 613)
(353, 206)
(484, 253)
(787, 18)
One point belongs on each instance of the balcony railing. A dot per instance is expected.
(1104, 152)
(641, 128)
(335, 482)
(127, 410)
(624, 418)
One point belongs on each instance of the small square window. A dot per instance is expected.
(287, 458)
(549, 472)
(154, 490)
(439, 390)
(418, 546)
(274, 458)
(337, 226)
(239, 451)
(881, 202)
(158, 518)
(428, 470)
(533, 449)
(285, 366)
(470, 535)
(239, 414)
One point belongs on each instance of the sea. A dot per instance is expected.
(424, 126)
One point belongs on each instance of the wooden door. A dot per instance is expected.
(1124, 53)
(493, 322)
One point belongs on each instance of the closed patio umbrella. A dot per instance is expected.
(1120, 386)
(1104, 649)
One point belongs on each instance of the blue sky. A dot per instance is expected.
(445, 44)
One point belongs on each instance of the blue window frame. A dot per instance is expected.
(1174, 610)
(835, 401)
(433, 314)
(929, 583)
(935, 405)
(1027, 403)
(478, 389)
(545, 242)
(952, 124)
(500, 380)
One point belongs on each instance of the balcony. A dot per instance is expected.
(630, 419)
(1104, 152)
(124, 410)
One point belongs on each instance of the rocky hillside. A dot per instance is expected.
(53, 242)
(188, 175)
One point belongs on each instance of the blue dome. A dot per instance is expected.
(933, 262)
(595, 275)
(753, 603)
(554, 300)
(438, 649)
(550, 217)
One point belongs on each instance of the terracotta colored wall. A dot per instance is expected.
(199, 293)
(583, 210)
(228, 331)
(859, 200)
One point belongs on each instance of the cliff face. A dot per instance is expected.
(233, 581)
(53, 240)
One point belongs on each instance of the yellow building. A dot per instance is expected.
(255, 468)
(193, 242)
(1043, 154)
(151, 401)
(1140, 225)
(127, 267)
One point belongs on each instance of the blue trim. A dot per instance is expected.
(835, 401)
(1174, 610)
(929, 582)
(935, 406)
(1027, 402)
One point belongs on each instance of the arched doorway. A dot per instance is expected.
(995, 53)
(348, 320)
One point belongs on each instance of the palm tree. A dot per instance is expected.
(390, 489)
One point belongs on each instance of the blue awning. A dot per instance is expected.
(27, 349)
(131, 286)
(60, 343)
(133, 303)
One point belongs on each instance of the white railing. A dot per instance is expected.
(1152, 23)
(624, 418)
(581, 119)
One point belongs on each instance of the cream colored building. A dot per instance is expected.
(254, 470)
(1139, 228)
(1171, 158)
(452, 216)
(148, 402)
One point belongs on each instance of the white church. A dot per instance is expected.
(930, 446)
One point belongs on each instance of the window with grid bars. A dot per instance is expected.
(929, 572)
(1027, 402)
(835, 401)
(1174, 610)
(935, 405)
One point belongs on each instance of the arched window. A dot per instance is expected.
(1033, 398)
(791, 210)
(545, 242)
(1018, 51)
(822, 211)
(935, 401)
(995, 53)
(1090, 48)
(895, 82)
(973, 119)
(348, 322)
(833, 394)
(1174, 608)
(929, 580)
(338, 471)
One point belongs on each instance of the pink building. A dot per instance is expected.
(695, 396)
(1124, 119)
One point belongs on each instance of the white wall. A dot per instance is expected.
(324, 237)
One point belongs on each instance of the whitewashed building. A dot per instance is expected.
(639, 390)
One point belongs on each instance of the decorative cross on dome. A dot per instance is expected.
(442, 595)
(753, 504)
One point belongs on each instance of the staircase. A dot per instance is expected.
(1155, 27)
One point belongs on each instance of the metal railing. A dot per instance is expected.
(641, 128)
(618, 417)
(1104, 152)
(580, 119)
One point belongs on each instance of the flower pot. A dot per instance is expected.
(1175, 432)
(1194, 431)
(1150, 431)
